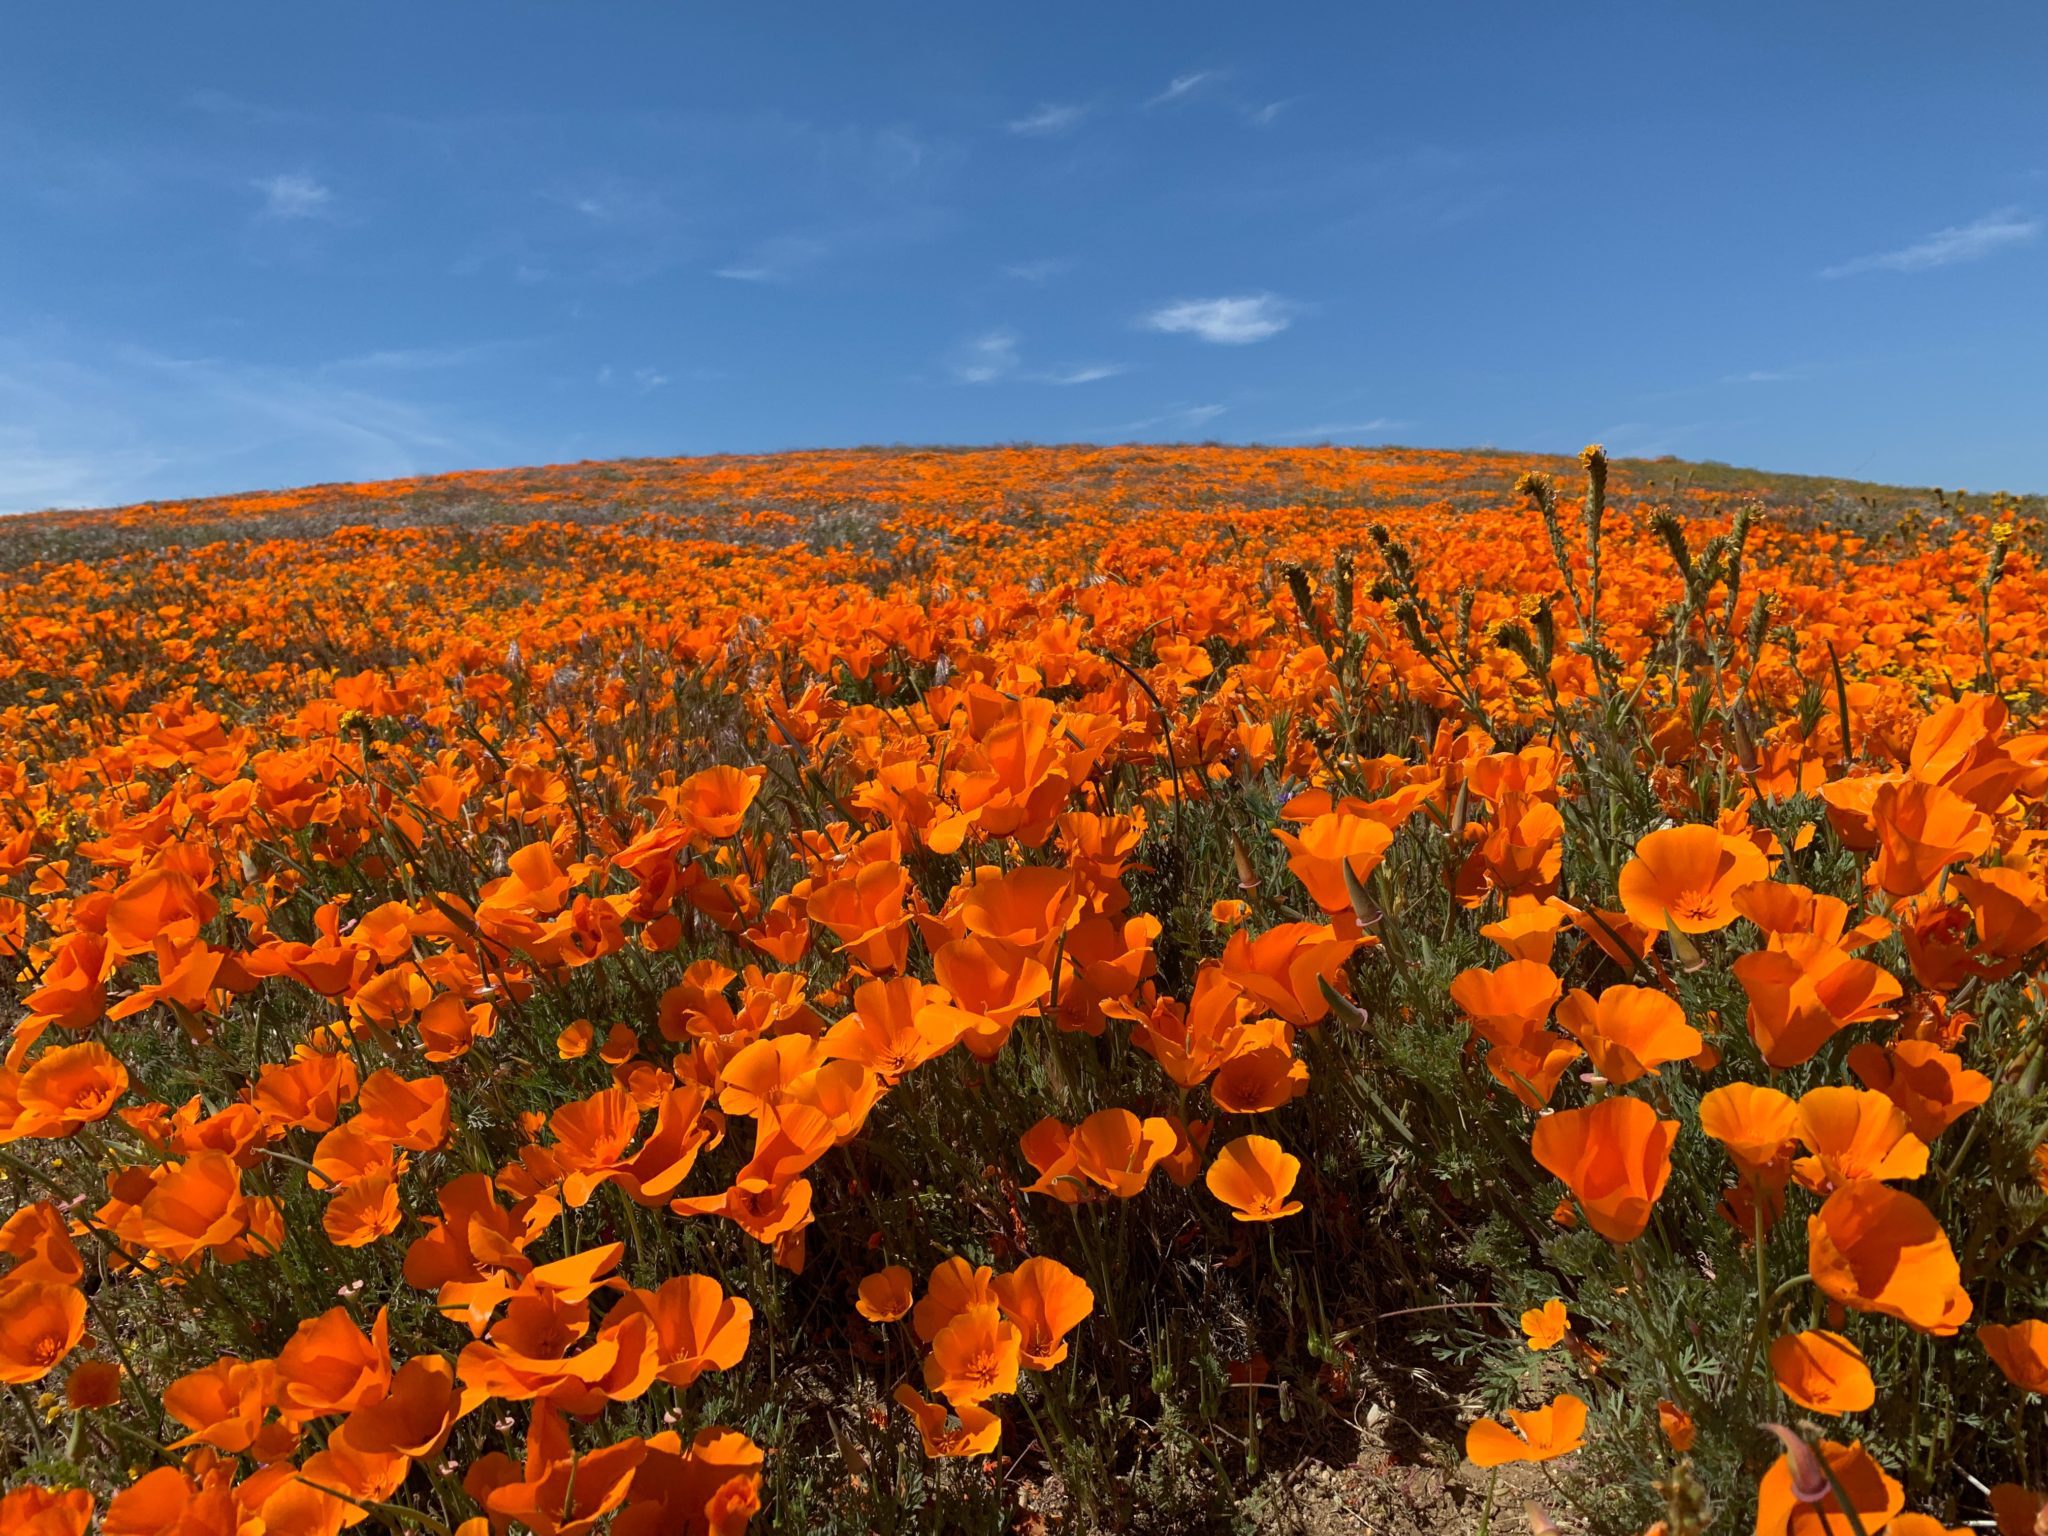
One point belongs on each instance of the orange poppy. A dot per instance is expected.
(1046, 1300)
(1822, 1371)
(955, 1286)
(1630, 1031)
(329, 1365)
(697, 1327)
(2018, 1510)
(1686, 878)
(414, 1417)
(1116, 1150)
(1754, 1125)
(40, 1323)
(1855, 1133)
(886, 1295)
(195, 1207)
(1676, 1426)
(31, 1510)
(363, 1210)
(895, 1026)
(1785, 1508)
(1922, 828)
(1540, 1434)
(865, 912)
(2020, 1350)
(1319, 853)
(412, 1113)
(1286, 967)
(223, 1404)
(38, 1240)
(1546, 1326)
(1930, 1085)
(976, 1433)
(1614, 1156)
(1254, 1176)
(1877, 1249)
(975, 1356)
(92, 1384)
(67, 1087)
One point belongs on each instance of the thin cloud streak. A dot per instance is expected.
(1051, 117)
(1184, 85)
(1230, 322)
(1996, 231)
(294, 195)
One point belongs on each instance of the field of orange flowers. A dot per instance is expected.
(1035, 989)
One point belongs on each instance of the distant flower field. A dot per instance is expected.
(1040, 989)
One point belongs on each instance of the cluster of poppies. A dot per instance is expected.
(469, 1024)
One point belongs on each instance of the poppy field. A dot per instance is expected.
(1040, 989)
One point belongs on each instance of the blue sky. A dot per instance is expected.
(260, 245)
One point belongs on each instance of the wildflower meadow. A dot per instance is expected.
(1148, 989)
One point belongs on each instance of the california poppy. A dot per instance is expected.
(32, 1510)
(1822, 1371)
(1629, 1031)
(1855, 1133)
(1686, 878)
(1254, 1177)
(885, 1295)
(1877, 1249)
(1786, 1509)
(1615, 1156)
(2020, 1350)
(1046, 1300)
(1540, 1434)
(40, 1323)
(1754, 1124)
(975, 1434)
(975, 1356)
(1546, 1326)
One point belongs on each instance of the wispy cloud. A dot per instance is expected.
(87, 424)
(1996, 231)
(1262, 117)
(1227, 321)
(1090, 374)
(419, 359)
(995, 357)
(1185, 85)
(987, 358)
(1178, 419)
(775, 261)
(1760, 376)
(1043, 270)
(294, 195)
(1048, 118)
(1329, 431)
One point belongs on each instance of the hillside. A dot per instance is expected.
(1025, 989)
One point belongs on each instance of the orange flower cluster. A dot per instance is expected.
(484, 988)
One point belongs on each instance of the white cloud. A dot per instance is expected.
(1049, 117)
(1179, 419)
(993, 357)
(1331, 430)
(1262, 117)
(1227, 322)
(649, 379)
(1946, 247)
(1759, 376)
(1041, 271)
(294, 195)
(987, 358)
(1090, 374)
(1184, 85)
(84, 424)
